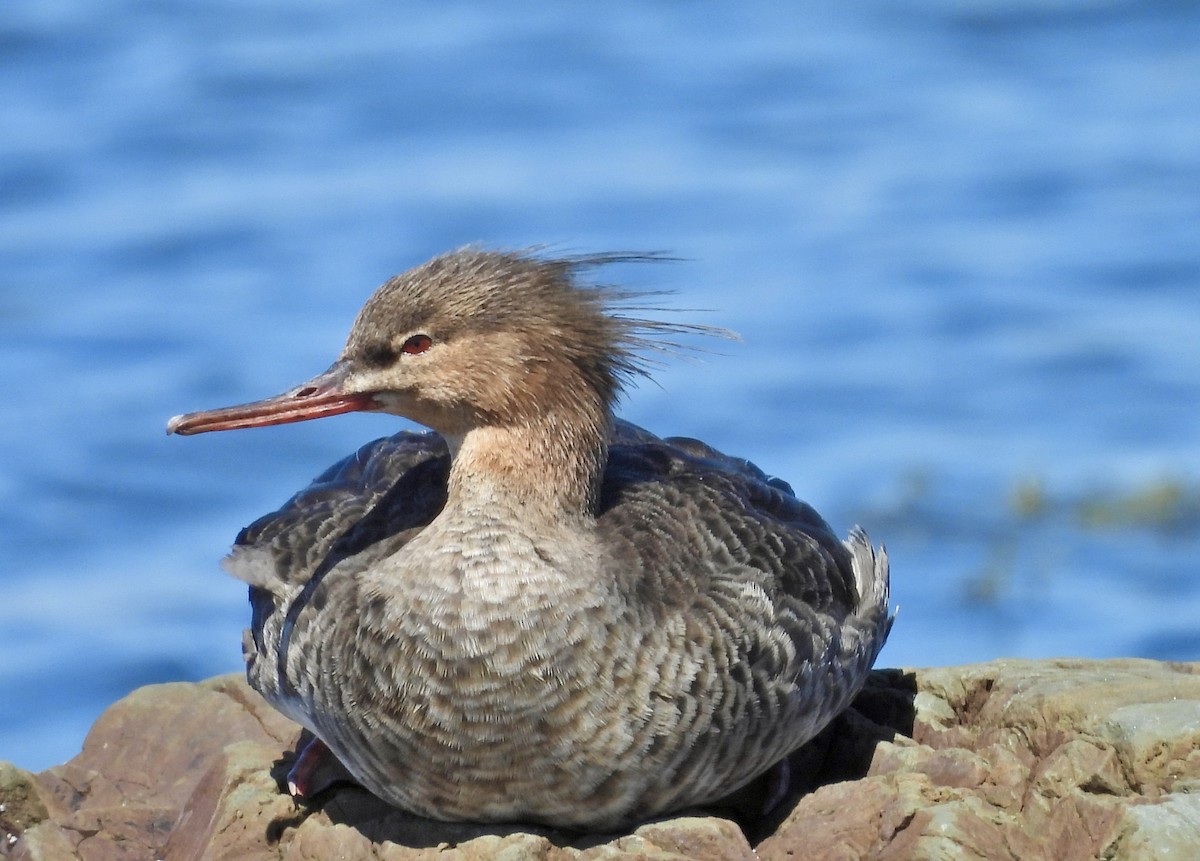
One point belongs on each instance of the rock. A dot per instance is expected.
(1022, 760)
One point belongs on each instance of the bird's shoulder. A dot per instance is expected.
(382, 494)
(687, 518)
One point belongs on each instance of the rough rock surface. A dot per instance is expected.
(1022, 760)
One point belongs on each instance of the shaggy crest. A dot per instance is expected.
(543, 301)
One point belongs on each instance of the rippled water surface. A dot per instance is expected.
(959, 241)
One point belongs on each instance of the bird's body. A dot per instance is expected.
(543, 613)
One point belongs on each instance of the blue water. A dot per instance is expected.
(961, 242)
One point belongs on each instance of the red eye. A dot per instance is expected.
(417, 344)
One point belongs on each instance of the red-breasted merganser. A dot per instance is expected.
(540, 613)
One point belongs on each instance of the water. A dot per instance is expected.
(959, 241)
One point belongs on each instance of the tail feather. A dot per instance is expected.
(873, 579)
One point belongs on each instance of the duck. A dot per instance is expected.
(536, 612)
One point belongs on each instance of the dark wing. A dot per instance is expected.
(387, 487)
(758, 518)
(367, 505)
(751, 608)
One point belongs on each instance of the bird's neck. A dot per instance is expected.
(548, 467)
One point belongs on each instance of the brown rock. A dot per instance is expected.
(1023, 760)
(1007, 760)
